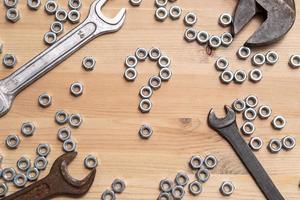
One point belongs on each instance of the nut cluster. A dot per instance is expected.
(176, 189)
(155, 81)
(251, 110)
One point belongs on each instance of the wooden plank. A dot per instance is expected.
(180, 107)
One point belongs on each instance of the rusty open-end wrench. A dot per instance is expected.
(57, 183)
(228, 129)
(95, 25)
(280, 17)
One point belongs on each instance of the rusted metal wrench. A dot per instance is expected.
(228, 129)
(57, 183)
(95, 24)
(280, 17)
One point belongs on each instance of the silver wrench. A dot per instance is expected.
(96, 24)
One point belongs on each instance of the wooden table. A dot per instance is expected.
(180, 107)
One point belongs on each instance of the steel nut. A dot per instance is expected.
(40, 163)
(28, 129)
(227, 188)
(13, 15)
(118, 186)
(34, 4)
(10, 3)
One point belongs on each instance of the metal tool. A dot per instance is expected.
(228, 129)
(95, 25)
(280, 17)
(57, 183)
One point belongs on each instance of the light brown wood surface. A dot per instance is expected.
(180, 107)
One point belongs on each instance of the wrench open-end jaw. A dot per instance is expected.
(219, 123)
(95, 24)
(57, 183)
(109, 24)
(228, 129)
(280, 17)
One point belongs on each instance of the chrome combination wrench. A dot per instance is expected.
(95, 24)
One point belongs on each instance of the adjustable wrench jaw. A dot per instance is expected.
(280, 18)
(243, 16)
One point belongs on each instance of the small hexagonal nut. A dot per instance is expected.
(10, 3)
(40, 163)
(13, 15)
(28, 129)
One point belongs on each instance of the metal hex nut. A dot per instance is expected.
(118, 186)
(51, 7)
(12, 141)
(8, 174)
(10, 3)
(9, 60)
(3, 189)
(34, 4)
(40, 163)
(227, 188)
(75, 4)
(28, 129)
(23, 163)
(74, 16)
(196, 162)
(20, 180)
(90, 162)
(166, 185)
(13, 15)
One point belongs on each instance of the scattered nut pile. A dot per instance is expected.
(203, 37)
(250, 109)
(61, 16)
(56, 28)
(26, 171)
(176, 189)
(240, 75)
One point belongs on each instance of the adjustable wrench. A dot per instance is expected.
(227, 128)
(280, 17)
(57, 183)
(96, 24)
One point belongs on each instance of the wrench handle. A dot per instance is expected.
(39, 190)
(49, 58)
(254, 167)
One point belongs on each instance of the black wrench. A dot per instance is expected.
(227, 128)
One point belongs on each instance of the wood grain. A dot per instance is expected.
(180, 107)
